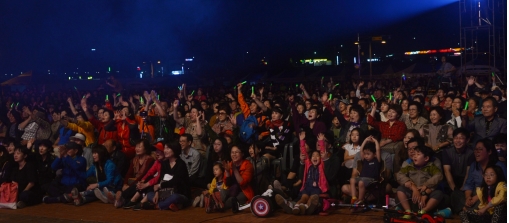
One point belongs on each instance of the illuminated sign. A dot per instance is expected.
(449, 50)
(313, 61)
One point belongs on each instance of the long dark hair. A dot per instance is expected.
(225, 151)
(5, 156)
(486, 191)
(103, 154)
(403, 152)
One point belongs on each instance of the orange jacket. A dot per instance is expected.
(263, 121)
(246, 171)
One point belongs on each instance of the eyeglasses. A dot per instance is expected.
(222, 113)
(489, 175)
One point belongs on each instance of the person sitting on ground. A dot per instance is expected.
(492, 196)
(139, 166)
(419, 181)
(146, 183)
(25, 175)
(238, 174)
(314, 181)
(173, 192)
(108, 179)
(73, 167)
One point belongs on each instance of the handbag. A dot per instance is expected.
(165, 193)
(8, 195)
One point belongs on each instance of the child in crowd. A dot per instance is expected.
(314, 182)
(352, 147)
(492, 196)
(214, 197)
(418, 181)
(371, 159)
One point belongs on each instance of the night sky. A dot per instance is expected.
(59, 35)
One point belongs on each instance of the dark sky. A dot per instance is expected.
(59, 35)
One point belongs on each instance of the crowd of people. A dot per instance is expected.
(435, 150)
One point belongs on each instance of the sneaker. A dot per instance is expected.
(147, 206)
(303, 208)
(446, 213)
(201, 200)
(421, 212)
(118, 204)
(209, 203)
(76, 196)
(20, 205)
(137, 207)
(357, 206)
(283, 204)
(312, 204)
(44, 199)
(110, 195)
(296, 210)
(407, 216)
(277, 184)
(129, 205)
(68, 198)
(196, 201)
(99, 194)
(174, 207)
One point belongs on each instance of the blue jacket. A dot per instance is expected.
(113, 178)
(73, 170)
(475, 177)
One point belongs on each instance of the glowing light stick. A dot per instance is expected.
(373, 98)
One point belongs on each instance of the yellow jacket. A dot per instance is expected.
(213, 185)
(500, 196)
(85, 128)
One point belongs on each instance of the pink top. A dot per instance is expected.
(322, 181)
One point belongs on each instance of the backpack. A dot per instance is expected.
(248, 129)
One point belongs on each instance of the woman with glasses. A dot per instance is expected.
(237, 176)
(485, 154)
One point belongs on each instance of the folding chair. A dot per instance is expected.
(377, 187)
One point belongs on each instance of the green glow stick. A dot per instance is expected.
(141, 100)
(107, 98)
(12, 105)
(75, 88)
(330, 97)
(322, 77)
(243, 82)
(234, 87)
(373, 98)
(390, 95)
(17, 104)
(83, 96)
(492, 74)
(336, 84)
(466, 106)
(192, 92)
(118, 94)
(157, 97)
(252, 89)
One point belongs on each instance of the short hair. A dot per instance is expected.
(188, 136)
(397, 108)
(493, 101)
(369, 146)
(418, 140)
(146, 146)
(416, 104)
(462, 131)
(360, 110)
(426, 151)
(46, 143)
(175, 147)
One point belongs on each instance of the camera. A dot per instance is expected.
(143, 114)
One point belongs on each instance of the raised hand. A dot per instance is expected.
(146, 95)
(233, 119)
(302, 135)
(175, 104)
(239, 86)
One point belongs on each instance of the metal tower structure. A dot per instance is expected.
(483, 33)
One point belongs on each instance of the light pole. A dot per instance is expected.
(358, 43)
(359, 53)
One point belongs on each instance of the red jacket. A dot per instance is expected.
(106, 130)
